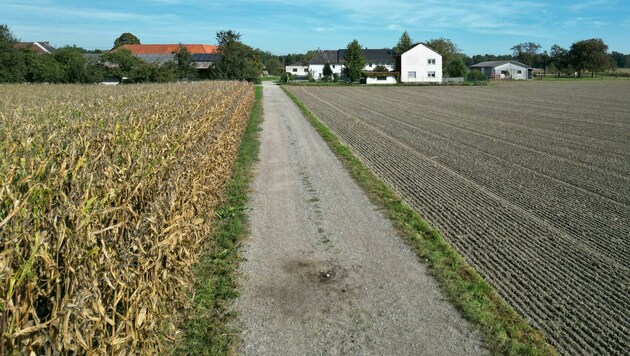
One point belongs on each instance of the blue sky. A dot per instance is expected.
(295, 26)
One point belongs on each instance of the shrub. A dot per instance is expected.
(475, 76)
(286, 77)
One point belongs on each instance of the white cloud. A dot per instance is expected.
(84, 13)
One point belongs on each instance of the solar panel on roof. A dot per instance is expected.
(203, 57)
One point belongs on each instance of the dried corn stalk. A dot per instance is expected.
(106, 194)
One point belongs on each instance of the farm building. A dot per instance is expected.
(38, 47)
(297, 69)
(373, 58)
(505, 70)
(202, 54)
(420, 64)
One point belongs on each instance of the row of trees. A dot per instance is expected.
(236, 61)
(586, 55)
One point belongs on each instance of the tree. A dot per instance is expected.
(238, 61)
(404, 43)
(185, 64)
(455, 68)
(124, 63)
(126, 38)
(12, 66)
(327, 72)
(451, 57)
(559, 58)
(380, 68)
(72, 64)
(526, 52)
(42, 68)
(274, 66)
(619, 59)
(591, 55)
(354, 61)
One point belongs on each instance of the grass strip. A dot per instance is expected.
(505, 332)
(205, 330)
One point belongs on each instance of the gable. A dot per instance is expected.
(420, 49)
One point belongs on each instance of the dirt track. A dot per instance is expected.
(324, 272)
(529, 181)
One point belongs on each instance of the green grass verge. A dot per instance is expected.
(205, 328)
(505, 332)
(271, 78)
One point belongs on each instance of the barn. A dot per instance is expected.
(203, 55)
(504, 70)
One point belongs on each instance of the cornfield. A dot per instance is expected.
(106, 197)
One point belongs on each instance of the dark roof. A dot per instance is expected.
(39, 47)
(372, 55)
(298, 64)
(326, 56)
(383, 55)
(494, 64)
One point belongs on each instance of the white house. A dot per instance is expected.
(335, 58)
(504, 70)
(299, 69)
(420, 64)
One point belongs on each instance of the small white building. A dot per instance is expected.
(299, 69)
(420, 64)
(380, 77)
(504, 70)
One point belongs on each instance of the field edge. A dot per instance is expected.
(205, 328)
(503, 329)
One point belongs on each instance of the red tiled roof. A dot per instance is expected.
(168, 48)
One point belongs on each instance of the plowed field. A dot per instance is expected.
(530, 182)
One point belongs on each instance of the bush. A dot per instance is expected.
(475, 76)
(286, 77)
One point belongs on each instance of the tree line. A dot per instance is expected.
(71, 64)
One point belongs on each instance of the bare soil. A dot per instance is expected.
(530, 182)
(324, 271)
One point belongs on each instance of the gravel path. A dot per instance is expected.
(324, 272)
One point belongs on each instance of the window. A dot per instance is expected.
(431, 61)
(381, 78)
(431, 74)
(370, 65)
(294, 70)
(333, 66)
(519, 71)
(411, 75)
